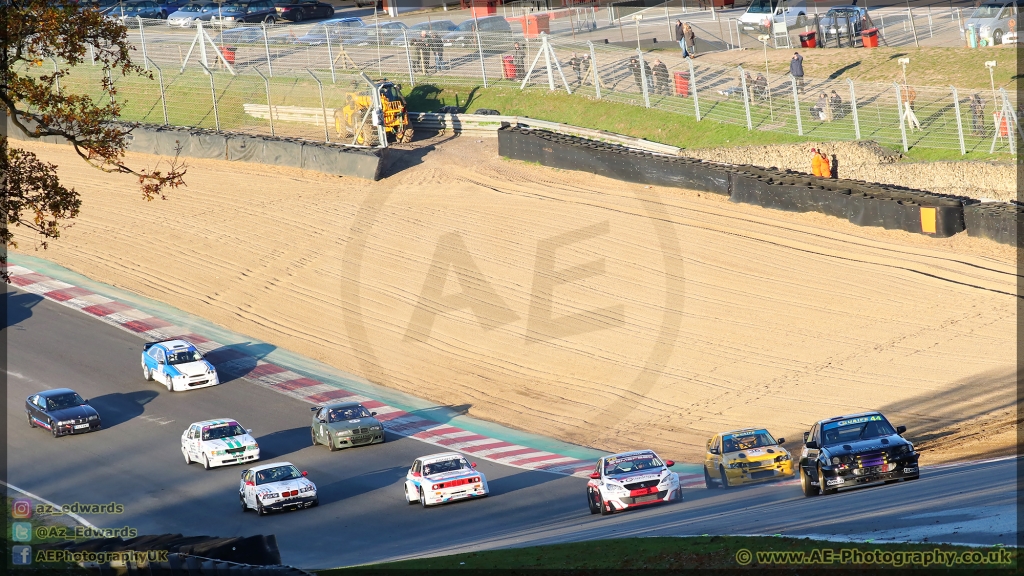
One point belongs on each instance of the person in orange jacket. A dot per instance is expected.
(819, 164)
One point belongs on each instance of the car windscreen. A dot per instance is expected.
(62, 401)
(277, 474)
(232, 8)
(987, 11)
(190, 8)
(222, 431)
(442, 466)
(632, 463)
(746, 441)
(347, 413)
(466, 26)
(855, 429)
(760, 7)
(211, 8)
(183, 356)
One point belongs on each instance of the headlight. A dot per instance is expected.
(614, 488)
(375, 427)
(270, 495)
(63, 423)
(345, 433)
(986, 30)
(835, 460)
(307, 489)
(229, 18)
(94, 417)
(782, 458)
(218, 453)
(252, 447)
(735, 465)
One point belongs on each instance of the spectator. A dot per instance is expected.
(818, 111)
(585, 68)
(978, 115)
(575, 63)
(835, 167)
(634, 67)
(796, 68)
(815, 162)
(661, 78)
(908, 96)
(836, 103)
(760, 87)
(691, 39)
(519, 60)
(422, 52)
(437, 47)
(680, 38)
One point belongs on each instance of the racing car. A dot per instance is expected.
(442, 478)
(61, 411)
(855, 450)
(745, 456)
(344, 424)
(631, 480)
(218, 443)
(178, 365)
(276, 486)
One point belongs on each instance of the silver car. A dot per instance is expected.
(992, 19)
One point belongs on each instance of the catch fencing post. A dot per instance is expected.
(323, 107)
(796, 108)
(668, 22)
(92, 55)
(483, 68)
(163, 98)
(213, 94)
(142, 39)
(853, 108)
(746, 97)
(1012, 114)
(959, 121)
(693, 86)
(330, 56)
(266, 47)
(270, 107)
(56, 76)
(643, 77)
(899, 110)
(547, 61)
(913, 27)
(593, 68)
(408, 59)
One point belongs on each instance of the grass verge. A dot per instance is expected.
(781, 555)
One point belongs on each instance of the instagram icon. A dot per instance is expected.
(21, 509)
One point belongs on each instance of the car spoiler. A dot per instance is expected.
(149, 345)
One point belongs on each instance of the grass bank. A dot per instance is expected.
(782, 555)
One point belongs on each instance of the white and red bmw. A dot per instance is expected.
(442, 478)
(631, 480)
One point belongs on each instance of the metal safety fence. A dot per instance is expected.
(277, 80)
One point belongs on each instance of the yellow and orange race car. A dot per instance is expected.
(745, 456)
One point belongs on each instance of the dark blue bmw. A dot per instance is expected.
(61, 411)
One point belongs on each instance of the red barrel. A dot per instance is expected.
(870, 37)
(809, 40)
(508, 67)
(229, 53)
(682, 83)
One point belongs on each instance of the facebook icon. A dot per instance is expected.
(21, 555)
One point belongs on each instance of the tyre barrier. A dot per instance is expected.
(859, 202)
(337, 159)
(998, 221)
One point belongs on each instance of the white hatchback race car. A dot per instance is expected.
(276, 486)
(631, 480)
(218, 443)
(441, 478)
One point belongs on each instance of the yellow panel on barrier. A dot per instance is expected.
(928, 220)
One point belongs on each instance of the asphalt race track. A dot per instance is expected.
(136, 461)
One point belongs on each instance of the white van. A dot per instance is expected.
(761, 13)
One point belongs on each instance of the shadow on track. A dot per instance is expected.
(118, 408)
(238, 360)
(19, 306)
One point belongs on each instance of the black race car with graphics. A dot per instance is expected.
(61, 411)
(855, 450)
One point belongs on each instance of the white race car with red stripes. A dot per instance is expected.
(631, 480)
(442, 478)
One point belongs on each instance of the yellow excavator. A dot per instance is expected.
(355, 119)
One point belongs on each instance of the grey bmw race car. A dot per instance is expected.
(345, 424)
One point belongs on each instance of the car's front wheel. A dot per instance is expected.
(298, 16)
(312, 433)
(408, 497)
(708, 482)
(805, 484)
(241, 500)
(725, 479)
(31, 422)
(423, 499)
(997, 37)
(593, 500)
(821, 483)
(332, 443)
(188, 459)
(147, 373)
(206, 462)
(606, 507)
(53, 429)
(801, 21)
(260, 510)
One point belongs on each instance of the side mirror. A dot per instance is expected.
(314, 408)
(782, 440)
(811, 444)
(373, 413)
(415, 474)
(243, 473)
(595, 475)
(250, 483)
(160, 362)
(806, 436)
(473, 464)
(322, 421)
(670, 463)
(303, 472)
(901, 429)
(248, 430)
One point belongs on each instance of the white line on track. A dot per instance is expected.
(76, 517)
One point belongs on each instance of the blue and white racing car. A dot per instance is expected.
(442, 478)
(178, 365)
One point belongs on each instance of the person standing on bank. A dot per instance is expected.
(978, 115)
(661, 78)
(575, 63)
(519, 60)
(690, 39)
(634, 67)
(796, 69)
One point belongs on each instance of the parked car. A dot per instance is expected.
(370, 34)
(186, 15)
(495, 34)
(441, 27)
(299, 10)
(239, 37)
(338, 28)
(61, 411)
(168, 7)
(231, 13)
(143, 9)
(844, 23)
(992, 19)
(761, 13)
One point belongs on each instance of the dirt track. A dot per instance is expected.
(608, 314)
